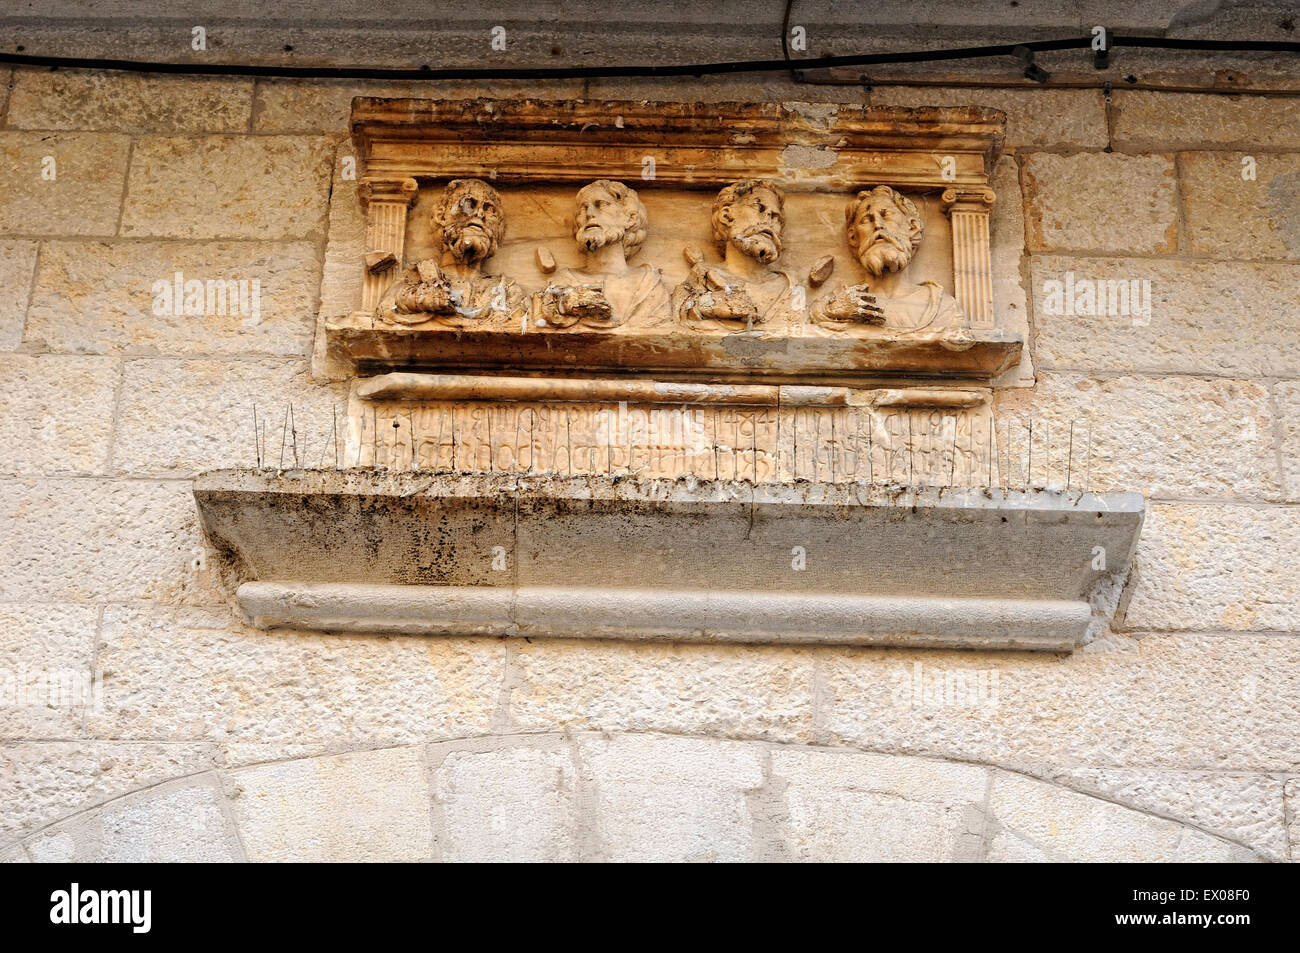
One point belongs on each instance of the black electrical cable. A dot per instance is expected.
(785, 37)
(595, 72)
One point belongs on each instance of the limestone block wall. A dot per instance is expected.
(1174, 736)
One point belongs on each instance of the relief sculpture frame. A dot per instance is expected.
(422, 310)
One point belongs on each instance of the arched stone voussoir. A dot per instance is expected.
(620, 797)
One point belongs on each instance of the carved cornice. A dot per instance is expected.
(693, 145)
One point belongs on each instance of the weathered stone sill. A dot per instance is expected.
(678, 560)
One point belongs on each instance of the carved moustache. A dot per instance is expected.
(891, 237)
(593, 235)
(766, 250)
(468, 240)
(886, 251)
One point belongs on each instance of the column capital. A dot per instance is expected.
(394, 189)
(968, 199)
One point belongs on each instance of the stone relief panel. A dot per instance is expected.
(698, 272)
(571, 260)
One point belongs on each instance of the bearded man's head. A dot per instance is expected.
(750, 214)
(884, 229)
(609, 212)
(469, 220)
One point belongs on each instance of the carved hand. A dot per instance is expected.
(855, 303)
(566, 305)
(586, 301)
(729, 304)
(425, 292)
(424, 297)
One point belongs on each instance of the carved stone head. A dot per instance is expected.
(884, 229)
(750, 214)
(609, 212)
(469, 220)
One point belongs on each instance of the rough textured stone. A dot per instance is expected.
(1232, 217)
(1145, 119)
(1193, 732)
(1286, 398)
(128, 102)
(199, 674)
(14, 855)
(1007, 248)
(756, 693)
(1246, 808)
(1044, 118)
(175, 823)
(754, 88)
(182, 417)
(341, 280)
(1160, 436)
(243, 754)
(56, 413)
(1218, 567)
(1293, 816)
(82, 540)
(868, 808)
(98, 297)
(263, 187)
(1213, 318)
(46, 653)
(17, 265)
(362, 807)
(45, 781)
(1101, 202)
(662, 799)
(83, 198)
(1034, 821)
(506, 804)
(312, 105)
(1093, 708)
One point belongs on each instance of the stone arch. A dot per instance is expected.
(617, 796)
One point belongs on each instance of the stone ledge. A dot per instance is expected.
(671, 615)
(869, 357)
(683, 560)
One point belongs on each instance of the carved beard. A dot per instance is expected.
(468, 243)
(886, 252)
(760, 244)
(594, 235)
